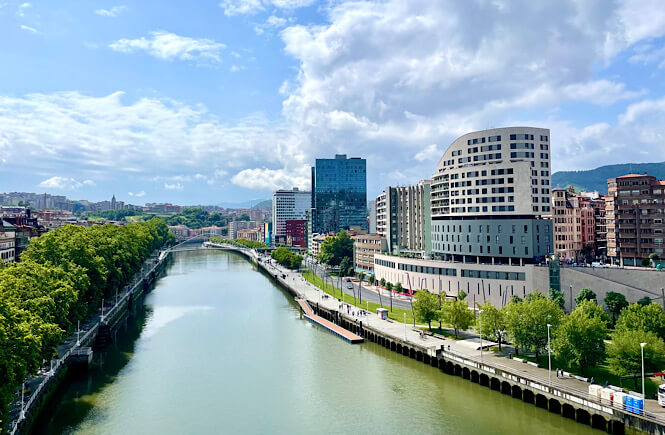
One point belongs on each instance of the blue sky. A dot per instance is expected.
(221, 101)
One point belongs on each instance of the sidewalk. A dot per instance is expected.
(461, 347)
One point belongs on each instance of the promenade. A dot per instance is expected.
(468, 348)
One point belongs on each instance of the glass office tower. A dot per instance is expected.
(339, 194)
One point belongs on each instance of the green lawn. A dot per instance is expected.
(446, 333)
(600, 373)
(396, 314)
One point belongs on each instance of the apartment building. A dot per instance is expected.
(235, 226)
(491, 198)
(403, 218)
(7, 242)
(574, 224)
(635, 216)
(365, 247)
(288, 205)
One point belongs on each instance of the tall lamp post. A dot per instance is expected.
(642, 351)
(549, 354)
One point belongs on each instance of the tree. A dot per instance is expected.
(557, 296)
(382, 282)
(389, 286)
(580, 339)
(335, 249)
(624, 353)
(286, 258)
(398, 288)
(361, 277)
(371, 280)
(426, 307)
(527, 321)
(585, 294)
(646, 262)
(635, 317)
(615, 302)
(344, 266)
(493, 322)
(456, 314)
(461, 295)
(644, 301)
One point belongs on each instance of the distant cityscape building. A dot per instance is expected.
(296, 232)
(403, 218)
(339, 194)
(254, 234)
(289, 205)
(491, 197)
(7, 242)
(635, 215)
(235, 226)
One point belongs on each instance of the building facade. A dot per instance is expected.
(491, 198)
(288, 205)
(339, 194)
(574, 223)
(371, 217)
(296, 233)
(7, 242)
(235, 226)
(365, 247)
(403, 216)
(635, 218)
(252, 234)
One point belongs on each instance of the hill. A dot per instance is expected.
(596, 179)
(245, 204)
(263, 204)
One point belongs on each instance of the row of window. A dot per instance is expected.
(479, 158)
(427, 269)
(490, 274)
(441, 247)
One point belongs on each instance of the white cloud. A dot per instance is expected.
(169, 46)
(270, 179)
(113, 12)
(248, 7)
(22, 8)
(57, 182)
(28, 28)
(175, 186)
(429, 154)
(271, 24)
(236, 68)
(140, 194)
(89, 183)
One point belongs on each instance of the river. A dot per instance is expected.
(218, 348)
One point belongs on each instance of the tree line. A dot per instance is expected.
(61, 279)
(251, 244)
(586, 337)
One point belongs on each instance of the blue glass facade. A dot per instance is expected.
(339, 194)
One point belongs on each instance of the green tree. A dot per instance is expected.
(371, 280)
(527, 321)
(493, 322)
(557, 296)
(382, 282)
(615, 302)
(335, 249)
(644, 301)
(456, 314)
(646, 262)
(286, 258)
(580, 339)
(426, 307)
(461, 295)
(585, 295)
(625, 355)
(361, 278)
(344, 266)
(637, 317)
(389, 286)
(398, 288)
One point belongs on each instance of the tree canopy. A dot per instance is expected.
(62, 277)
(456, 314)
(527, 321)
(625, 355)
(493, 322)
(426, 307)
(585, 295)
(637, 317)
(335, 249)
(286, 258)
(580, 337)
(615, 302)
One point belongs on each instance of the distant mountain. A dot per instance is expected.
(596, 179)
(263, 204)
(245, 204)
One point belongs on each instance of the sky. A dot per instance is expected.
(203, 102)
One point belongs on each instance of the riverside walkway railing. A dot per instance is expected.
(96, 320)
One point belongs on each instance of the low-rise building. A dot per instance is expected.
(317, 241)
(213, 231)
(365, 247)
(180, 231)
(251, 234)
(235, 226)
(7, 242)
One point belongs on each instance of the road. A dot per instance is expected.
(367, 293)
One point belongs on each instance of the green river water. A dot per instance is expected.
(218, 348)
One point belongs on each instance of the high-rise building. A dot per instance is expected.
(114, 205)
(635, 215)
(403, 217)
(491, 197)
(339, 194)
(371, 217)
(288, 205)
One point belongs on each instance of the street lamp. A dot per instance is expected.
(405, 327)
(549, 354)
(642, 350)
(571, 298)
(480, 318)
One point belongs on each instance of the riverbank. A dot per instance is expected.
(568, 397)
(26, 406)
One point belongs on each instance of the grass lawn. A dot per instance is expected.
(396, 314)
(443, 332)
(600, 373)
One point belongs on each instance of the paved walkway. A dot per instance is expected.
(461, 347)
